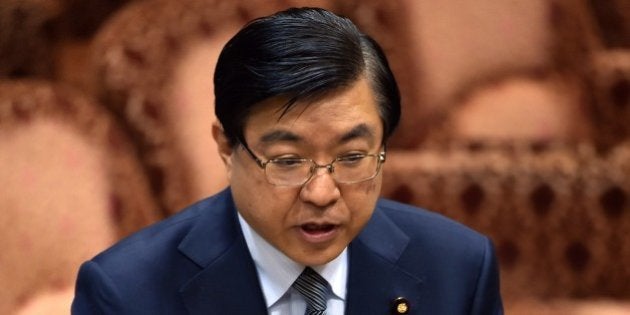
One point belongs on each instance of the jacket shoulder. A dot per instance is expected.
(422, 222)
(154, 245)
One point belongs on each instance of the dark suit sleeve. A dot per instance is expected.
(95, 292)
(487, 298)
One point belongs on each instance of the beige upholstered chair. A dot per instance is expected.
(71, 186)
(531, 107)
(558, 214)
(153, 64)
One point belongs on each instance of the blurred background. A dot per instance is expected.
(516, 122)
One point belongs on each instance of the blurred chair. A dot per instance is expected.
(153, 64)
(72, 185)
(558, 214)
(537, 157)
(537, 107)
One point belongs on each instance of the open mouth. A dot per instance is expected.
(312, 228)
(318, 233)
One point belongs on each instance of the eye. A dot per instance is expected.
(351, 159)
(287, 162)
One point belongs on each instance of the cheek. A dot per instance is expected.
(262, 205)
(363, 201)
(246, 184)
(371, 190)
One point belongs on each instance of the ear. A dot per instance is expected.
(223, 145)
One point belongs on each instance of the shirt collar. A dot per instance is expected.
(277, 272)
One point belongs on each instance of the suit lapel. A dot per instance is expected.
(374, 279)
(227, 279)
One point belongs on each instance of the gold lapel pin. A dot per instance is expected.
(400, 305)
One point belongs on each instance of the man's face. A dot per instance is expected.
(312, 223)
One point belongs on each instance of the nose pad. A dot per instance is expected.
(329, 168)
(316, 167)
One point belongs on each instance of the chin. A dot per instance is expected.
(318, 259)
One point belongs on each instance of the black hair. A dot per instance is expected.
(299, 53)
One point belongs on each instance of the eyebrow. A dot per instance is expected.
(359, 131)
(280, 135)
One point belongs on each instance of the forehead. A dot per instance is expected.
(348, 112)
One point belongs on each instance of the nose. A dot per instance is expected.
(321, 189)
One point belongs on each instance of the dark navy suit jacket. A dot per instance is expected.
(197, 262)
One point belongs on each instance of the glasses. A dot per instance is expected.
(292, 171)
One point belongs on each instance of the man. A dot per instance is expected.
(305, 103)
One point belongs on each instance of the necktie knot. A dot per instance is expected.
(314, 288)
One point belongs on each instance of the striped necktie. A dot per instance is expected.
(314, 288)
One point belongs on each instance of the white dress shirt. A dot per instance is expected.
(277, 272)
